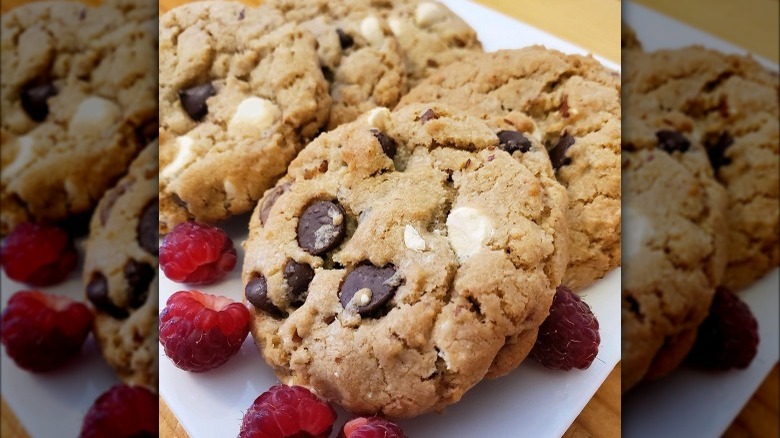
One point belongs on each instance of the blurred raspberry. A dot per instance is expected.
(288, 411)
(122, 412)
(200, 331)
(194, 253)
(728, 337)
(41, 331)
(371, 427)
(569, 337)
(38, 255)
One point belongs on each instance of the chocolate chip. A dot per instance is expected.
(242, 14)
(345, 40)
(327, 73)
(388, 144)
(374, 283)
(269, 201)
(34, 100)
(147, 132)
(558, 153)
(716, 149)
(194, 100)
(256, 292)
(429, 114)
(511, 141)
(298, 277)
(322, 227)
(139, 276)
(671, 141)
(146, 230)
(97, 293)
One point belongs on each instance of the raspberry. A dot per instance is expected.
(194, 253)
(38, 255)
(569, 337)
(372, 427)
(200, 331)
(728, 337)
(287, 411)
(122, 412)
(41, 331)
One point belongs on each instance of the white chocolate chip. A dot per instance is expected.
(184, 156)
(93, 116)
(428, 13)
(397, 26)
(372, 31)
(230, 189)
(364, 296)
(253, 116)
(71, 188)
(413, 240)
(468, 230)
(638, 224)
(24, 155)
(379, 118)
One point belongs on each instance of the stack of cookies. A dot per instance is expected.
(416, 202)
(700, 163)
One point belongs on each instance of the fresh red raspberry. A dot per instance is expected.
(122, 412)
(728, 337)
(42, 331)
(201, 331)
(38, 255)
(569, 337)
(287, 411)
(194, 253)
(371, 427)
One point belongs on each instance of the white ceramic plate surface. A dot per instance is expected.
(690, 402)
(532, 401)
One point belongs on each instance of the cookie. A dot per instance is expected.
(430, 34)
(571, 104)
(674, 251)
(75, 107)
(239, 93)
(360, 57)
(399, 254)
(120, 272)
(732, 103)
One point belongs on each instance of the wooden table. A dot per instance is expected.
(594, 25)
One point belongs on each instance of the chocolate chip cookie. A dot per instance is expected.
(239, 93)
(120, 272)
(732, 105)
(360, 57)
(571, 104)
(674, 241)
(430, 34)
(76, 105)
(401, 254)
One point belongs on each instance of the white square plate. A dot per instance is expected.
(532, 401)
(690, 402)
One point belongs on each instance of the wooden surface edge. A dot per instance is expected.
(10, 427)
